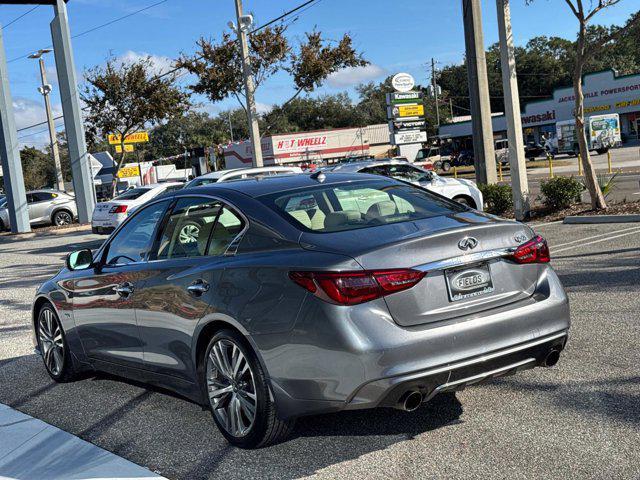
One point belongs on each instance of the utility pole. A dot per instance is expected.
(244, 24)
(434, 85)
(230, 125)
(517, 160)
(45, 89)
(483, 148)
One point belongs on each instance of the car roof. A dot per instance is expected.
(355, 166)
(255, 187)
(272, 168)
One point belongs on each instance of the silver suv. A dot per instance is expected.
(46, 207)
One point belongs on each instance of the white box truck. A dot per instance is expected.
(603, 133)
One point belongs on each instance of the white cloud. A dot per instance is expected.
(28, 112)
(160, 64)
(350, 76)
(262, 108)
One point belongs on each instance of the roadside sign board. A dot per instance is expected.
(401, 125)
(128, 147)
(405, 111)
(404, 97)
(411, 136)
(137, 137)
(127, 172)
(402, 82)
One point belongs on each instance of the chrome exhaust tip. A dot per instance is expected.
(552, 358)
(410, 401)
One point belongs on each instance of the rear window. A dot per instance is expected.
(349, 206)
(132, 194)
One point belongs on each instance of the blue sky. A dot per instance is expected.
(395, 36)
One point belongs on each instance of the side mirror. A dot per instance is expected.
(79, 260)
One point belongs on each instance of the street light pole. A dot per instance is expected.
(45, 90)
(434, 85)
(244, 24)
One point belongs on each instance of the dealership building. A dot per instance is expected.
(604, 92)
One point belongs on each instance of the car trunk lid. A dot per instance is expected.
(433, 245)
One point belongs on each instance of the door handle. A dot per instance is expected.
(124, 289)
(198, 287)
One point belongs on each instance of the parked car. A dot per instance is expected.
(461, 190)
(108, 215)
(305, 294)
(46, 207)
(240, 173)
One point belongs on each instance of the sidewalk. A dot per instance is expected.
(32, 449)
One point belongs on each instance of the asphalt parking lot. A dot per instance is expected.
(580, 419)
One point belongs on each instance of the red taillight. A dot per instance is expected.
(118, 209)
(351, 288)
(535, 250)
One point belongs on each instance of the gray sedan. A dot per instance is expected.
(304, 294)
(46, 207)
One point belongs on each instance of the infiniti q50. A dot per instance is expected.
(272, 298)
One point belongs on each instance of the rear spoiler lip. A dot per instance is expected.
(466, 259)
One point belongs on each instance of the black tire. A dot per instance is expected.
(446, 166)
(66, 371)
(601, 151)
(2, 227)
(267, 428)
(62, 217)
(466, 201)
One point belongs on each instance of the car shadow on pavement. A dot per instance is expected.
(178, 438)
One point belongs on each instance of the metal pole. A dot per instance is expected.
(249, 87)
(52, 128)
(517, 160)
(230, 125)
(435, 90)
(10, 155)
(484, 152)
(83, 186)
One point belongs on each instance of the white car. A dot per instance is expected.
(108, 215)
(458, 189)
(240, 173)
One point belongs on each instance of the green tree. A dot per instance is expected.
(122, 99)
(37, 168)
(218, 66)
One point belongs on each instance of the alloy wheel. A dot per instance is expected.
(231, 387)
(189, 234)
(62, 218)
(51, 341)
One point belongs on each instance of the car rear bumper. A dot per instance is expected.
(363, 359)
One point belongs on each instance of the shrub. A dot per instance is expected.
(560, 192)
(607, 183)
(497, 198)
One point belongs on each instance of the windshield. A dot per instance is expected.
(348, 206)
(132, 194)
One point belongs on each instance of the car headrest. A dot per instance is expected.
(381, 209)
(340, 219)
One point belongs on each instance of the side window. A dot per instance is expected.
(188, 228)
(420, 155)
(30, 198)
(226, 229)
(133, 242)
(43, 196)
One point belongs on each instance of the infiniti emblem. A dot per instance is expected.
(467, 243)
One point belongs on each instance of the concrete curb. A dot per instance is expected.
(602, 219)
(46, 233)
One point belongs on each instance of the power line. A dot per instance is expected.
(98, 27)
(20, 16)
(308, 4)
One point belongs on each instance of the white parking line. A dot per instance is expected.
(597, 236)
(538, 225)
(554, 251)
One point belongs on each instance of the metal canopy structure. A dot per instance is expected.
(9, 151)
